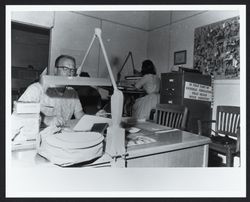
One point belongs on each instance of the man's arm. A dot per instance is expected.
(32, 93)
(78, 111)
(79, 114)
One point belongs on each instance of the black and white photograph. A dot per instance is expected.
(180, 57)
(125, 100)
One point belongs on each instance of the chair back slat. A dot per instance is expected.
(235, 122)
(170, 115)
(170, 119)
(174, 123)
(228, 120)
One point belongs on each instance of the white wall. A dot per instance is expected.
(164, 37)
(158, 48)
(158, 19)
(72, 34)
(226, 92)
(37, 18)
(182, 32)
(118, 41)
(183, 15)
(179, 35)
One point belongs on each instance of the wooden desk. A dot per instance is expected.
(172, 148)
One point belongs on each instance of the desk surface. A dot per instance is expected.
(166, 139)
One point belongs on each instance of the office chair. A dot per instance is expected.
(171, 115)
(226, 136)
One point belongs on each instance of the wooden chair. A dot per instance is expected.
(226, 137)
(171, 115)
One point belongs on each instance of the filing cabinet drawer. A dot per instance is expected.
(166, 99)
(172, 92)
(171, 81)
(171, 87)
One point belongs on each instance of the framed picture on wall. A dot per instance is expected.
(180, 57)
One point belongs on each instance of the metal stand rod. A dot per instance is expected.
(79, 69)
(98, 34)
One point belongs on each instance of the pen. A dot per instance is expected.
(167, 130)
(48, 106)
(19, 130)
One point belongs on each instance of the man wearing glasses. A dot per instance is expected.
(58, 104)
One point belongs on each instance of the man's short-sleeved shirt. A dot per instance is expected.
(52, 103)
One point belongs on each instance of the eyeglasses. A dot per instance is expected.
(70, 70)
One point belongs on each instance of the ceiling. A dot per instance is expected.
(145, 20)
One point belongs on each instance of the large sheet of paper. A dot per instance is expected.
(87, 121)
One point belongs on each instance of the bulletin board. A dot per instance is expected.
(217, 49)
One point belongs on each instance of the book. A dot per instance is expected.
(87, 121)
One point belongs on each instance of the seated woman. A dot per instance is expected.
(150, 82)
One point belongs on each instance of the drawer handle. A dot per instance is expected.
(171, 80)
(170, 91)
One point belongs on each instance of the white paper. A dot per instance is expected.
(87, 121)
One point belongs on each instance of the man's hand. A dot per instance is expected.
(102, 113)
(54, 121)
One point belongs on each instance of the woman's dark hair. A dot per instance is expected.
(64, 56)
(147, 67)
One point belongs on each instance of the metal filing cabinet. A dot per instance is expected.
(192, 90)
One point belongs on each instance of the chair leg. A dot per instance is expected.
(229, 158)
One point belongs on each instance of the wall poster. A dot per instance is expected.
(217, 49)
(197, 91)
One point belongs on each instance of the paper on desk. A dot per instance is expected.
(139, 140)
(87, 121)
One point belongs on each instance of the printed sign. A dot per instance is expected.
(197, 91)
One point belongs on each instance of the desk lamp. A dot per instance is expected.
(115, 141)
(135, 72)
